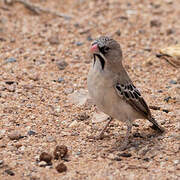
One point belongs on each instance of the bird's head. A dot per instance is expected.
(107, 51)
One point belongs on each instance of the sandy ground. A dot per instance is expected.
(45, 58)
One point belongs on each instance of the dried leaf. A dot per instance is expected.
(172, 55)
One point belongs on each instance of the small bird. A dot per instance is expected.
(112, 89)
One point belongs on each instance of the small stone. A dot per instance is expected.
(68, 91)
(61, 64)
(118, 32)
(9, 172)
(142, 31)
(57, 109)
(61, 167)
(15, 135)
(50, 138)
(78, 153)
(79, 97)
(117, 159)
(131, 12)
(78, 43)
(149, 50)
(137, 134)
(125, 154)
(45, 157)
(135, 125)
(9, 2)
(177, 161)
(10, 82)
(89, 38)
(42, 164)
(31, 133)
(2, 133)
(173, 82)
(1, 162)
(99, 117)
(74, 124)
(18, 145)
(37, 158)
(169, 31)
(10, 60)
(160, 91)
(60, 151)
(167, 99)
(34, 77)
(60, 80)
(146, 159)
(82, 116)
(54, 39)
(155, 23)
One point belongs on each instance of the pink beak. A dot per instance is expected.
(94, 48)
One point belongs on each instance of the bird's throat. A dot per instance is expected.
(102, 61)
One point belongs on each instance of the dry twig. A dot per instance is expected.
(37, 9)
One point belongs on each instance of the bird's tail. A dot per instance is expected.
(156, 126)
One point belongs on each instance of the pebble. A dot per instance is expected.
(1, 164)
(177, 161)
(45, 157)
(42, 164)
(15, 135)
(60, 80)
(54, 39)
(99, 117)
(10, 82)
(155, 23)
(118, 32)
(169, 31)
(50, 138)
(167, 99)
(57, 109)
(61, 64)
(10, 60)
(9, 172)
(2, 133)
(125, 154)
(31, 133)
(173, 82)
(60, 151)
(79, 97)
(83, 116)
(78, 43)
(117, 159)
(61, 168)
(68, 91)
(89, 38)
(74, 124)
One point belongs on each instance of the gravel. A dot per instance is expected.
(43, 89)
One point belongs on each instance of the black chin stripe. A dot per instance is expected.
(94, 59)
(102, 61)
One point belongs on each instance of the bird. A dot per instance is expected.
(113, 91)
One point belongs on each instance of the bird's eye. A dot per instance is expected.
(104, 49)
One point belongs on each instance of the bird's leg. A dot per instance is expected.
(126, 140)
(100, 136)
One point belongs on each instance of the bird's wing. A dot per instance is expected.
(132, 96)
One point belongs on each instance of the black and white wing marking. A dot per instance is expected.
(132, 95)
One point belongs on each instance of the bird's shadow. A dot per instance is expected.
(139, 142)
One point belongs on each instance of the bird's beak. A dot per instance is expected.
(94, 49)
